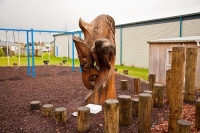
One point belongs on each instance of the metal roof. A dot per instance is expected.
(178, 39)
(162, 15)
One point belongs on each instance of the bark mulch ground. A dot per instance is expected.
(62, 87)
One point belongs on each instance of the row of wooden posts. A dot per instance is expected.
(181, 68)
(119, 112)
(156, 100)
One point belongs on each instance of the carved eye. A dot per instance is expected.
(95, 29)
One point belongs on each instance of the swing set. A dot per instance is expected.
(32, 31)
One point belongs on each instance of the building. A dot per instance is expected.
(11, 47)
(160, 55)
(131, 36)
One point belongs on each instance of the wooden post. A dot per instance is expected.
(111, 116)
(144, 113)
(125, 72)
(125, 110)
(60, 115)
(197, 114)
(135, 104)
(35, 105)
(168, 84)
(136, 85)
(158, 95)
(152, 80)
(123, 85)
(14, 64)
(183, 126)
(83, 119)
(47, 110)
(176, 91)
(191, 61)
(149, 92)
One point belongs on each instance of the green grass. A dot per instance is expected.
(133, 71)
(38, 60)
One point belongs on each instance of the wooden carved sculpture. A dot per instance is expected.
(97, 58)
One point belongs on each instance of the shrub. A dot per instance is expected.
(2, 52)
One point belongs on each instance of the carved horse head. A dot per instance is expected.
(97, 51)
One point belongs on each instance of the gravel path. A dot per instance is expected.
(59, 86)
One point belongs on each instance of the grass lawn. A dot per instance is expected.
(38, 60)
(133, 71)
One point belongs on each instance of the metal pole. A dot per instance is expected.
(41, 47)
(49, 45)
(33, 62)
(7, 47)
(54, 45)
(28, 53)
(80, 69)
(181, 19)
(73, 69)
(120, 45)
(18, 50)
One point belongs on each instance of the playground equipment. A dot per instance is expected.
(27, 31)
(97, 48)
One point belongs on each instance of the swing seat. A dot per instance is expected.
(46, 62)
(64, 61)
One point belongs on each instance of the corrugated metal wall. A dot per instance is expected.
(117, 42)
(65, 49)
(191, 26)
(62, 43)
(135, 50)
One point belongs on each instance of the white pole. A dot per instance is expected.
(41, 46)
(7, 48)
(49, 45)
(18, 49)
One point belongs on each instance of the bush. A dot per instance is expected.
(2, 52)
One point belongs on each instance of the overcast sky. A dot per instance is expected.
(64, 14)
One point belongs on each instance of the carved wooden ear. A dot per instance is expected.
(82, 25)
(84, 53)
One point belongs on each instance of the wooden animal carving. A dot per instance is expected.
(97, 58)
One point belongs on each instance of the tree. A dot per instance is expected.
(2, 52)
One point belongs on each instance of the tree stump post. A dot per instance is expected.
(136, 85)
(152, 80)
(197, 114)
(125, 72)
(168, 84)
(144, 113)
(176, 91)
(83, 119)
(183, 126)
(191, 61)
(14, 64)
(60, 115)
(47, 109)
(111, 116)
(35, 105)
(123, 84)
(149, 92)
(135, 104)
(125, 110)
(158, 95)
